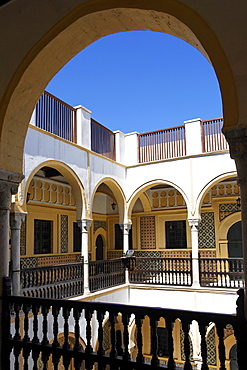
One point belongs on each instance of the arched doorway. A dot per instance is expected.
(234, 237)
(99, 248)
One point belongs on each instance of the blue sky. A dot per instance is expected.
(140, 81)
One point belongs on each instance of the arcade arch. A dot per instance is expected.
(68, 175)
(63, 33)
(218, 212)
(158, 211)
(107, 209)
(53, 202)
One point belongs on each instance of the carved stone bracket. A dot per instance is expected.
(84, 225)
(125, 227)
(194, 223)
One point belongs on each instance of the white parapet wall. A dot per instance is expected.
(202, 300)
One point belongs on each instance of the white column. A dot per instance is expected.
(16, 219)
(194, 223)
(125, 229)
(84, 227)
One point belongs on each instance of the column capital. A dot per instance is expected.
(84, 225)
(194, 223)
(125, 227)
(16, 219)
(237, 140)
(9, 183)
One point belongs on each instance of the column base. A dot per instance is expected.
(196, 285)
(86, 291)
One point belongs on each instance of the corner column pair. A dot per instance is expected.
(237, 140)
(8, 186)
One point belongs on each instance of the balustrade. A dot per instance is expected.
(41, 332)
(60, 281)
(163, 270)
(222, 272)
(105, 274)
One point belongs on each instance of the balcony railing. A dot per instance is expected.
(62, 281)
(106, 274)
(162, 271)
(45, 332)
(102, 140)
(214, 140)
(163, 144)
(222, 272)
(55, 116)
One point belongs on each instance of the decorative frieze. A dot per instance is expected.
(29, 262)
(43, 190)
(166, 198)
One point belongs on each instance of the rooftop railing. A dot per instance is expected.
(162, 144)
(102, 140)
(55, 116)
(214, 139)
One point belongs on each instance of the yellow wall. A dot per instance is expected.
(53, 214)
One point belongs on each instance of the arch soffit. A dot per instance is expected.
(117, 192)
(208, 186)
(146, 186)
(73, 180)
(97, 19)
(145, 201)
